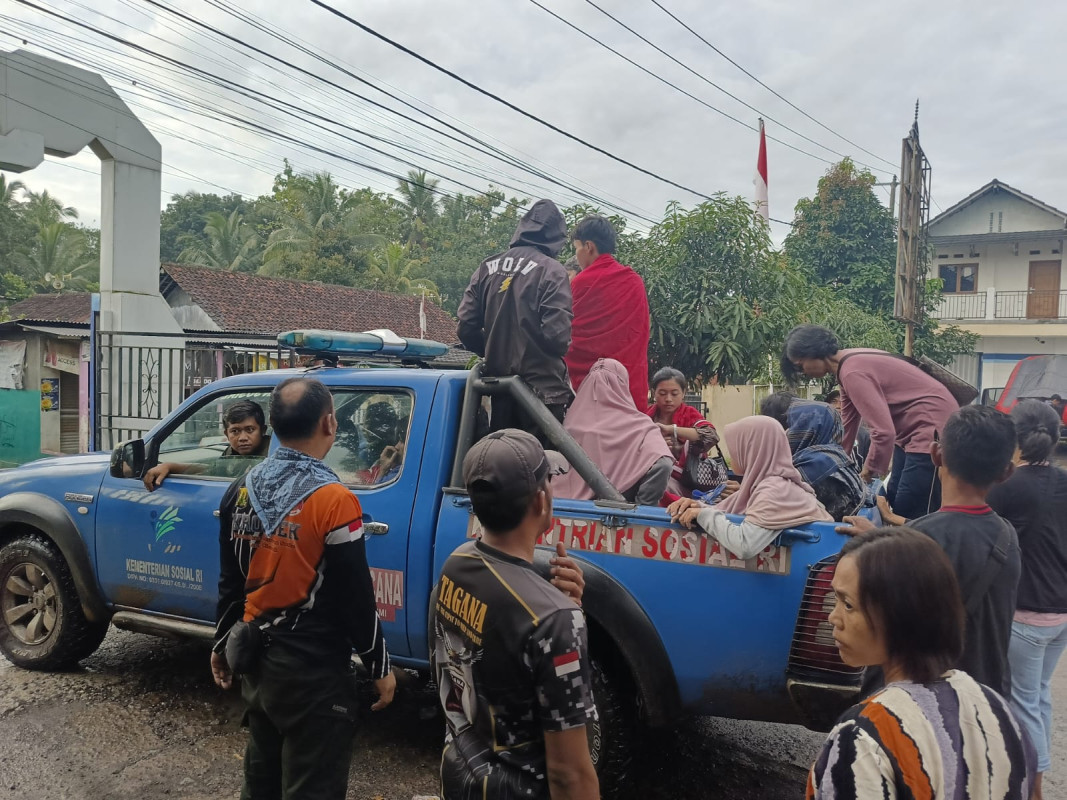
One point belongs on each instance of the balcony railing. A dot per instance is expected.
(1031, 305)
(990, 304)
(962, 306)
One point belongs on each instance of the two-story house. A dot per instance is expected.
(999, 252)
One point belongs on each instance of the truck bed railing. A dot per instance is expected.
(523, 396)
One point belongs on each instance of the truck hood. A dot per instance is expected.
(83, 471)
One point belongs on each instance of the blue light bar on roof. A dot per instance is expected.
(379, 342)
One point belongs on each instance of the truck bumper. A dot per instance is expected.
(820, 704)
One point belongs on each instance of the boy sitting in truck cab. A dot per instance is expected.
(246, 432)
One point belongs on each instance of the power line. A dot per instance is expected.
(768, 88)
(673, 85)
(711, 83)
(291, 40)
(308, 51)
(271, 101)
(501, 100)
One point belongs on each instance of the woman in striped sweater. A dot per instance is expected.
(932, 732)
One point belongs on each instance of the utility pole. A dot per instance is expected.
(893, 184)
(911, 234)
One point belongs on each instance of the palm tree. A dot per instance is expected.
(7, 192)
(321, 207)
(419, 198)
(57, 259)
(391, 272)
(42, 208)
(231, 243)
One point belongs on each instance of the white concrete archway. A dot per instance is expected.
(48, 107)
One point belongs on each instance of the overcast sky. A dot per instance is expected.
(989, 78)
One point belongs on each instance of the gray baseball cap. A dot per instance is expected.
(512, 462)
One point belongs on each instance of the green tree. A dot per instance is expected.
(15, 231)
(317, 221)
(844, 238)
(41, 209)
(717, 293)
(393, 270)
(182, 221)
(231, 244)
(418, 198)
(58, 259)
(7, 192)
(12, 289)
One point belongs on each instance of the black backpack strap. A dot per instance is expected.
(998, 557)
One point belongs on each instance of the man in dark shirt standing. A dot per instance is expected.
(511, 651)
(295, 599)
(516, 312)
(973, 454)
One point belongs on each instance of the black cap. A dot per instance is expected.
(512, 462)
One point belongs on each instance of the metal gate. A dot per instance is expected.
(139, 378)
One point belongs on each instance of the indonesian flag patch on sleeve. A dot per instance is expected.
(566, 664)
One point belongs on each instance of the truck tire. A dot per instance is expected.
(614, 738)
(41, 621)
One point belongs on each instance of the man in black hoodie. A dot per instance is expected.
(516, 312)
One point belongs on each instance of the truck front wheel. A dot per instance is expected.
(613, 739)
(41, 621)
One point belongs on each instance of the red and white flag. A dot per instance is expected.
(566, 664)
(760, 180)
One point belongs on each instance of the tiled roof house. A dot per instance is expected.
(213, 300)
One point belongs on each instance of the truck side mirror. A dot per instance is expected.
(127, 461)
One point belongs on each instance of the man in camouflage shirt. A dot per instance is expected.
(511, 649)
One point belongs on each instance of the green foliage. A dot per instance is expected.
(844, 238)
(418, 199)
(41, 209)
(57, 259)
(231, 243)
(12, 289)
(392, 270)
(717, 294)
(181, 225)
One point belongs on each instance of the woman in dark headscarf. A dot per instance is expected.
(815, 431)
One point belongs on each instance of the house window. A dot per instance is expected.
(959, 277)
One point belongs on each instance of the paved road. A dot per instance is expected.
(141, 719)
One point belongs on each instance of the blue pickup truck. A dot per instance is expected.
(679, 625)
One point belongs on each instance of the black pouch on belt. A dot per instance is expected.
(245, 647)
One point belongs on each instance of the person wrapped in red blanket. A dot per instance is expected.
(610, 304)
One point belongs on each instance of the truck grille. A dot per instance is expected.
(813, 653)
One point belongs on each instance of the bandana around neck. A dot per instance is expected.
(277, 485)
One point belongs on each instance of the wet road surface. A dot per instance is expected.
(142, 719)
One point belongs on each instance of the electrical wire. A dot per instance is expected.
(768, 88)
(292, 41)
(271, 102)
(711, 83)
(319, 57)
(475, 87)
(674, 86)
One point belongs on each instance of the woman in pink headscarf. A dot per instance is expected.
(772, 496)
(625, 443)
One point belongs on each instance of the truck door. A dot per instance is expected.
(380, 434)
(159, 551)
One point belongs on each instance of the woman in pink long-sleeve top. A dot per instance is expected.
(904, 409)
